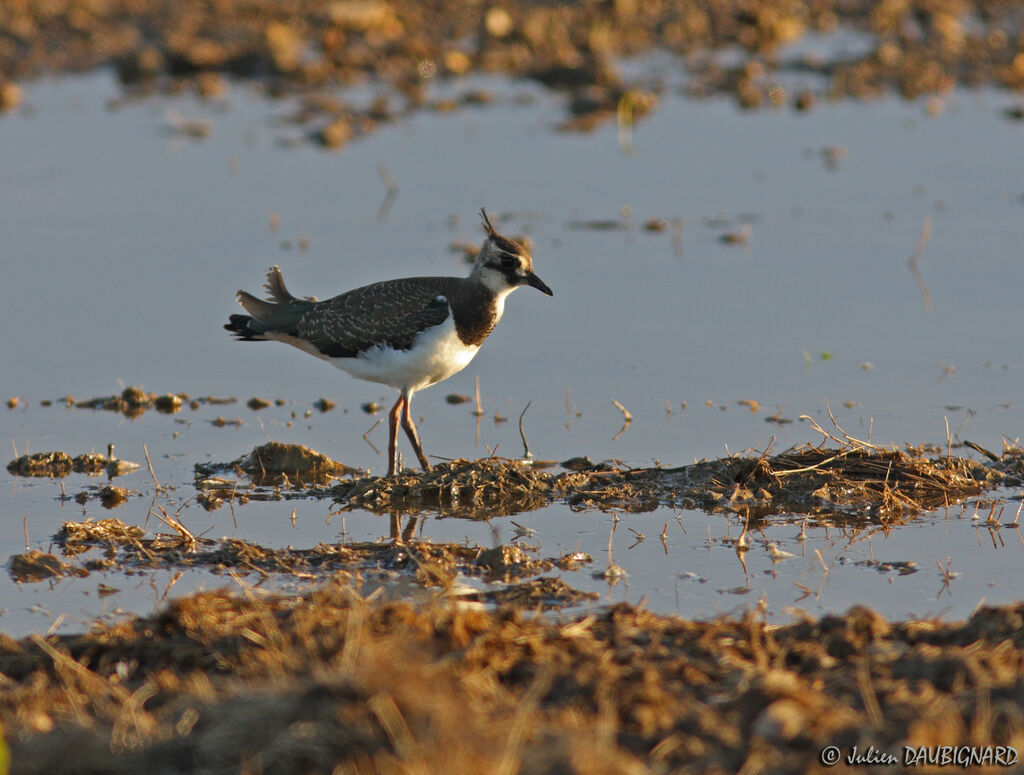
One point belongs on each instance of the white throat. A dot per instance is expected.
(499, 302)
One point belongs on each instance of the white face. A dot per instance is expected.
(502, 266)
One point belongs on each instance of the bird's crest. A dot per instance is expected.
(491, 231)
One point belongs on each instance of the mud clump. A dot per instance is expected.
(465, 488)
(105, 531)
(853, 482)
(37, 566)
(278, 463)
(59, 464)
(330, 682)
(53, 464)
(133, 401)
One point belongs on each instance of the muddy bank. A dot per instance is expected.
(254, 682)
(851, 480)
(315, 46)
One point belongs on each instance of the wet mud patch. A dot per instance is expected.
(851, 481)
(276, 463)
(330, 682)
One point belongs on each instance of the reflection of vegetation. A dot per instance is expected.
(109, 544)
(313, 47)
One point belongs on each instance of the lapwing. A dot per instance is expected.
(408, 333)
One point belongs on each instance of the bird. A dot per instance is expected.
(408, 333)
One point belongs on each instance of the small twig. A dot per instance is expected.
(627, 417)
(814, 467)
(847, 440)
(967, 418)
(743, 543)
(816, 427)
(526, 447)
(159, 487)
(370, 429)
(850, 439)
(479, 411)
(186, 535)
(821, 560)
(926, 231)
(366, 436)
(981, 450)
(391, 188)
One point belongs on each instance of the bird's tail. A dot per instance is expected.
(279, 313)
(239, 326)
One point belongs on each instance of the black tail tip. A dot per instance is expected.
(239, 326)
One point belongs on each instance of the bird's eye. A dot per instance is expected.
(509, 262)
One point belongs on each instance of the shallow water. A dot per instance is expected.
(124, 245)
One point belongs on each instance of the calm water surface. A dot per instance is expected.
(124, 244)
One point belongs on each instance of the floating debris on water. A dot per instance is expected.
(110, 544)
(59, 464)
(38, 566)
(132, 402)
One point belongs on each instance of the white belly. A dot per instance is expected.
(436, 354)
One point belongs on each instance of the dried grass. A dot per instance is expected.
(252, 682)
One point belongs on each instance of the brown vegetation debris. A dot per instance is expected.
(111, 532)
(465, 488)
(852, 481)
(35, 565)
(328, 682)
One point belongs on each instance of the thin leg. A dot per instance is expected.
(393, 416)
(410, 431)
